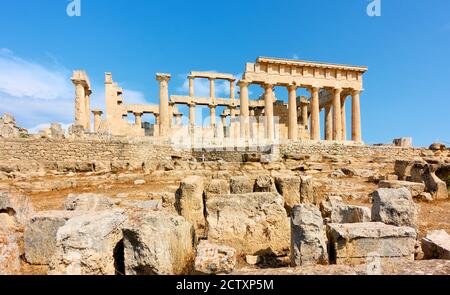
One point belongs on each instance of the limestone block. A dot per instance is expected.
(90, 244)
(307, 193)
(218, 186)
(241, 185)
(16, 205)
(9, 245)
(356, 243)
(436, 245)
(334, 210)
(289, 188)
(214, 259)
(264, 184)
(308, 239)
(414, 188)
(157, 243)
(394, 206)
(40, 235)
(189, 203)
(253, 223)
(87, 202)
(435, 186)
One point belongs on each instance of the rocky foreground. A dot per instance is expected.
(312, 214)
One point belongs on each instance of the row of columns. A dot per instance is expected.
(335, 120)
(336, 114)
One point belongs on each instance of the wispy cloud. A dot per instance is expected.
(38, 95)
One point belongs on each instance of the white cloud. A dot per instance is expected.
(37, 95)
(295, 56)
(22, 78)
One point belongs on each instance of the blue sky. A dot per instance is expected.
(407, 87)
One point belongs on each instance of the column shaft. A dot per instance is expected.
(192, 115)
(343, 118)
(212, 88)
(356, 117)
(191, 87)
(244, 109)
(328, 123)
(163, 104)
(292, 108)
(80, 108)
(212, 111)
(268, 109)
(87, 105)
(138, 119)
(315, 117)
(337, 126)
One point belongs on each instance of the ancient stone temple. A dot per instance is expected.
(264, 119)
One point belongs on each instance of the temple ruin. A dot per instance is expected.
(262, 120)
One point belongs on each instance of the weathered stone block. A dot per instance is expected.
(254, 223)
(289, 188)
(16, 205)
(87, 202)
(414, 188)
(218, 186)
(241, 185)
(394, 206)
(356, 243)
(213, 259)
(264, 183)
(336, 211)
(436, 245)
(40, 235)
(189, 203)
(307, 193)
(90, 244)
(158, 243)
(10, 248)
(308, 239)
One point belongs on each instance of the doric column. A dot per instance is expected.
(138, 119)
(178, 119)
(315, 117)
(304, 110)
(163, 103)
(356, 116)
(191, 86)
(268, 111)
(292, 108)
(171, 106)
(244, 108)
(232, 95)
(157, 119)
(87, 105)
(80, 108)
(328, 123)
(343, 118)
(97, 119)
(212, 88)
(337, 126)
(192, 115)
(212, 111)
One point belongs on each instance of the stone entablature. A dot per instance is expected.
(279, 71)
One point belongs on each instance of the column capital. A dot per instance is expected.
(212, 105)
(163, 77)
(243, 83)
(138, 113)
(97, 112)
(268, 85)
(292, 87)
(338, 90)
(356, 91)
(211, 79)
